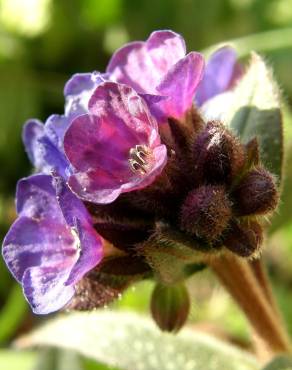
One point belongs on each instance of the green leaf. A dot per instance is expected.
(93, 365)
(132, 342)
(280, 363)
(17, 360)
(255, 111)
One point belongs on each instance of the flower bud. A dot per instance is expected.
(206, 212)
(245, 238)
(256, 193)
(218, 155)
(170, 306)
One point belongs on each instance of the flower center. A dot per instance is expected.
(139, 159)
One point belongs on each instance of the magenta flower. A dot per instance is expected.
(115, 148)
(52, 244)
(160, 66)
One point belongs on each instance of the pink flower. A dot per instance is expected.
(160, 66)
(115, 148)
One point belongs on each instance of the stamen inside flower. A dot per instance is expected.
(139, 159)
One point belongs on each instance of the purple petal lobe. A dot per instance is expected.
(220, 72)
(55, 128)
(35, 197)
(32, 242)
(78, 91)
(45, 290)
(32, 131)
(180, 84)
(82, 81)
(42, 152)
(142, 65)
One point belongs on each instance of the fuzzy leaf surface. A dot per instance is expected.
(129, 342)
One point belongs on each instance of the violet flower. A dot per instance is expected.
(115, 148)
(52, 244)
(160, 66)
(44, 142)
(221, 72)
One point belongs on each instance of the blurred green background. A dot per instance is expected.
(43, 42)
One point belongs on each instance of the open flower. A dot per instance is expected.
(52, 244)
(44, 142)
(115, 148)
(160, 66)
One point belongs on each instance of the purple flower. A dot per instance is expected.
(115, 148)
(52, 244)
(44, 142)
(221, 72)
(45, 154)
(160, 66)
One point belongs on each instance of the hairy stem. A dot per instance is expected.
(262, 278)
(241, 282)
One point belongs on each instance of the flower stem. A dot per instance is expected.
(240, 280)
(262, 278)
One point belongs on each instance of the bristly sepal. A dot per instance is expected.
(206, 212)
(218, 156)
(256, 194)
(244, 238)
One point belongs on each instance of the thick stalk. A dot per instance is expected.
(241, 282)
(260, 273)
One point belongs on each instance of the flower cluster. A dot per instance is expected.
(132, 151)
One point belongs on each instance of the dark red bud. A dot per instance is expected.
(256, 193)
(244, 238)
(218, 155)
(206, 212)
(170, 306)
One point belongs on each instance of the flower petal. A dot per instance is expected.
(80, 82)
(80, 220)
(55, 128)
(220, 72)
(44, 289)
(180, 85)
(36, 198)
(32, 131)
(99, 187)
(42, 152)
(121, 101)
(142, 65)
(33, 242)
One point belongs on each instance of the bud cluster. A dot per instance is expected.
(233, 189)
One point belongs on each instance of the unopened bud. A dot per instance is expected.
(256, 193)
(244, 238)
(206, 212)
(170, 306)
(218, 155)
